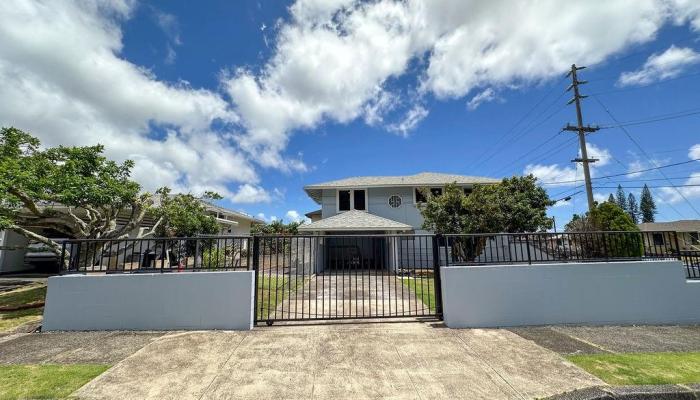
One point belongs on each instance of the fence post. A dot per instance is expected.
(256, 262)
(527, 245)
(197, 259)
(678, 247)
(436, 275)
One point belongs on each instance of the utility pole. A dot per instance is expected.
(582, 130)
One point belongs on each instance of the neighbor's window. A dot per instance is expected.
(467, 191)
(694, 237)
(359, 198)
(658, 239)
(344, 200)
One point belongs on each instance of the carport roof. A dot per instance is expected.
(355, 220)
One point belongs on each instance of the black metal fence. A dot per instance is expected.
(312, 277)
(156, 254)
(538, 248)
(691, 260)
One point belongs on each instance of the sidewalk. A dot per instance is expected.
(387, 360)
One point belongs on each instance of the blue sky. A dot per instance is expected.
(256, 99)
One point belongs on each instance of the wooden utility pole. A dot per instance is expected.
(582, 130)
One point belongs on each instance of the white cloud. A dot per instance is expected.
(61, 63)
(334, 60)
(484, 96)
(568, 174)
(294, 216)
(662, 66)
(671, 195)
(248, 193)
(694, 152)
(413, 117)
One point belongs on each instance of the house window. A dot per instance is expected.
(359, 199)
(419, 197)
(352, 200)
(395, 201)
(658, 239)
(343, 200)
(467, 191)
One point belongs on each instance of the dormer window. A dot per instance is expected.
(352, 199)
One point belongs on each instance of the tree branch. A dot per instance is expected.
(26, 200)
(55, 247)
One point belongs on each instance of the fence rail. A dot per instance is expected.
(269, 251)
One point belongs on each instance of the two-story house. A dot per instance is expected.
(378, 205)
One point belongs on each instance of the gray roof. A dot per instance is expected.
(422, 179)
(685, 225)
(355, 220)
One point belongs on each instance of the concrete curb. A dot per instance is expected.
(674, 392)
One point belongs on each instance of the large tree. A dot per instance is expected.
(515, 204)
(633, 208)
(647, 206)
(621, 198)
(74, 191)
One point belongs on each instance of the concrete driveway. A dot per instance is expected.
(358, 361)
(352, 294)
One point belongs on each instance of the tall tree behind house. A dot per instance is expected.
(621, 198)
(633, 208)
(647, 206)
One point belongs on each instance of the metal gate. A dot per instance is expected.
(345, 277)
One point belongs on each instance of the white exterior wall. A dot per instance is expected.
(170, 301)
(654, 292)
(12, 260)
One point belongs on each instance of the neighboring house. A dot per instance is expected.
(687, 231)
(18, 254)
(314, 215)
(375, 205)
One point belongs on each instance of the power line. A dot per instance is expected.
(657, 118)
(651, 187)
(649, 159)
(496, 147)
(628, 173)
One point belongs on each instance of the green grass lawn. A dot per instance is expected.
(23, 296)
(269, 298)
(642, 368)
(12, 319)
(45, 381)
(424, 288)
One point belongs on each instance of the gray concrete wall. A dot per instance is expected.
(654, 292)
(170, 301)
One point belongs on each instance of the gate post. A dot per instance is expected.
(436, 275)
(256, 261)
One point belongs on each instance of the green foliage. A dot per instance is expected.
(71, 176)
(633, 208)
(276, 227)
(641, 368)
(606, 217)
(183, 215)
(515, 204)
(611, 198)
(621, 198)
(45, 381)
(214, 257)
(647, 206)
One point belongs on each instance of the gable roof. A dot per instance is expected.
(684, 225)
(422, 179)
(355, 220)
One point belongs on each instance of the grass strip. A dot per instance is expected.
(641, 368)
(45, 381)
(424, 288)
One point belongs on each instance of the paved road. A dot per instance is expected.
(351, 294)
(358, 361)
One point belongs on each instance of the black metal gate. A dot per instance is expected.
(345, 277)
